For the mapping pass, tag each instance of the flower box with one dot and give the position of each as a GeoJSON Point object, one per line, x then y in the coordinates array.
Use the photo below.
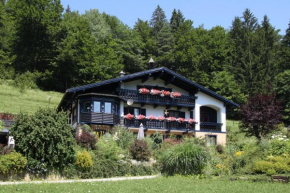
{"type": "Point", "coordinates": [175, 94]}
{"type": "Point", "coordinates": [155, 92]}
{"type": "Point", "coordinates": [164, 93]}
{"type": "Point", "coordinates": [180, 120]}
{"type": "Point", "coordinates": [151, 118]}
{"type": "Point", "coordinates": [129, 116]}
{"type": "Point", "coordinates": [161, 118]}
{"type": "Point", "coordinates": [143, 91]}
{"type": "Point", "coordinates": [140, 117]}
{"type": "Point", "coordinates": [191, 121]}
{"type": "Point", "coordinates": [171, 119]}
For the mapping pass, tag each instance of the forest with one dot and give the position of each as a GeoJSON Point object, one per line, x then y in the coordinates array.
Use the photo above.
{"type": "Point", "coordinates": [53, 48]}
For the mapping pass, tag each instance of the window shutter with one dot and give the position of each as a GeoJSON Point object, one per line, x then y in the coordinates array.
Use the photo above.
{"type": "Point", "coordinates": [126, 111]}
{"type": "Point", "coordinates": [191, 114]}
{"type": "Point", "coordinates": [182, 114]}
{"type": "Point", "coordinates": [143, 112]}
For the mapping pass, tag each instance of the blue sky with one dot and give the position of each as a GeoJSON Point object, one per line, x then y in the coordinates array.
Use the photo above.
{"type": "Point", "coordinates": [210, 13]}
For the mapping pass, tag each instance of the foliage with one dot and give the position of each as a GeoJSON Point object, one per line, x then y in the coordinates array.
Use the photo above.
{"type": "Point", "coordinates": [39, 168]}
{"type": "Point", "coordinates": [185, 158]}
{"type": "Point", "coordinates": [5, 149]}
{"type": "Point", "coordinates": [157, 139]}
{"type": "Point", "coordinates": [25, 81]}
{"type": "Point", "coordinates": [278, 147]}
{"type": "Point", "coordinates": [139, 150]}
{"type": "Point", "coordinates": [123, 137]}
{"type": "Point", "coordinates": [261, 115]}
{"type": "Point", "coordinates": [44, 136]}
{"type": "Point", "coordinates": [87, 139]}
{"type": "Point", "coordinates": [109, 149]}
{"type": "Point", "coordinates": [12, 163]}
{"type": "Point", "coordinates": [273, 165]}
{"type": "Point", "coordinates": [1, 125]}
{"type": "Point", "coordinates": [84, 161]}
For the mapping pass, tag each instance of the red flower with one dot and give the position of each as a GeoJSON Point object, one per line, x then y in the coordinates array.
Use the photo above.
{"type": "Point", "coordinates": [143, 91]}
{"type": "Point", "coordinates": [151, 117]}
{"type": "Point", "coordinates": [161, 118]}
{"type": "Point", "coordinates": [155, 92]}
{"type": "Point", "coordinates": [141, 117]}
{"type": "Point", "coordinates": [180, 120]}
{"type": "Point", "coordinates": [171, 119]}
{"type": "Point", "coordinates": [129, 116]}
{"type": "Point", "coordinates": [165, 93]}
{"type": "Point", "coordinates": [175, 95]}
{"type": "Point", "coordinates": [191, 121]}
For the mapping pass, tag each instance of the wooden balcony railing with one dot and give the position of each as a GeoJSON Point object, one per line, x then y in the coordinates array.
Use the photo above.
{"type": "Point", "coordinates": [156, 124]}
{"type": "Point", "coordinates": [184, 100]}
{"type": "Point", "coordinates": [211, 127]}
{"type": "Point", "coordinates": [99, 118]}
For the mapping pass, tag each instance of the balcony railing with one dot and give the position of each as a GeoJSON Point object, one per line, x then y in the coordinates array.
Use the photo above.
{"type": "Point", "coordinates": [99, 118]}
{"type": "Point", "coordinates": [184, 100]}
{"type": "Point", "coordinates": [156, 124]}
{"type": "Point", "coordinates": [211, 127]}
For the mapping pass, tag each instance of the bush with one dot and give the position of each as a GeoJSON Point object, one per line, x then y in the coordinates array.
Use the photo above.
{"type": "Point", "coordinates": [12, 163]}
{"type": "Point", "coordinates": [184, 159]}
{"type": "Point", "coordinates": [37, 167]}
{"type": "Point", "coordinates": [139, 150]}
{"type": "Point", "coordinates": [45, 137]}
{"type": "Point", "coordinates": [108, 149]}
{"type": "Point", "coordinates": [279, 147]}
{"type": "Point", "coordinates": [123, 137]}
{"type": "Point", "coordinates": [87, 140]}
{"type": "Point", "coordinates": [25, 81]}
{"type": "Point", "coordinates": [273, 165]}
{"type": "Point", "coordinates": [157, 139]}
{"type": "Point", "coordinates": [4, 149]}
{"type": "Point", "coordinates": [84, 161]}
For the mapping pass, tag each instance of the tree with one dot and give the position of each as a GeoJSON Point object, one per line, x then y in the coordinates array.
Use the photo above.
{"type": "Point", "coordinates": [158, 20]}
{"type": "Point", "coordinates": [45, 137]}
{"type": "Point", "coordinates": [282, 88]}
{"type": "Point", "coordinates": [36, 30]}
{"type": "Point", "coordinates": [284, 53]}
{"type": "Point", "coordinates": [261, 115]}
{"type": "Point", "coordinates": [176, 20]}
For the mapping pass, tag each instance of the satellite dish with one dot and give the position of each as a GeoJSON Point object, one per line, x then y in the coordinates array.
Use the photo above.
{"type": "Point", "coordinates": [130, 102]}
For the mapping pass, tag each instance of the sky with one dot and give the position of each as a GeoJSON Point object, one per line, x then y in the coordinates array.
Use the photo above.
{"type": "Point", "coordinates": [208, 13]}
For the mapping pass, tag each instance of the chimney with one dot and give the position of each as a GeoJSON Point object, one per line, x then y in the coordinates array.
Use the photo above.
{"type": "Point", "coordinates": [151, 63]}
{"type": "Point", "coordinates": [122, 73]}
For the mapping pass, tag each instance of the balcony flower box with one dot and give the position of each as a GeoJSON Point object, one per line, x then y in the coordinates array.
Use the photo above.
{"type": "Point", "coordinates": [170, 119]}
{"type": "Point", "coordinates": [164, 93]}
{"type": "Point", "coordinates": [129, 116]}
{"type": "Point", "coordinates": [180, 120]}
{"type": "Point", "coordinates": [143, 91]}
{"type": "Point", "coordinates": [155, 92]}
{"type": "Point", "coordinates": [151, 118]}
{"type": "Point", "coordinates": [175, 95]}
{"type": "Point", "coordinates": [140, 117]}
{"type": "Point", "coordinates": [191, 121]}
{"type": "Point", "coordinates": [161, 118]}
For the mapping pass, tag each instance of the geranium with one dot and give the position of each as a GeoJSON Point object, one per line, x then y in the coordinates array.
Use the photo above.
{"type": "Point", "coordinates": [171, 119]}
{"type": "Point", "coordinates": [129, 116]}
{"type": "Point", "coordinates": [151, 117]}
{"type": "Point", "coordinates": [180, 120]}
{"type": "Point", "coordinates": [155, 92]}
{"type": "Point", "coordinates": [165, 93]}
{"type": "Point", "coordinates": [141, 117]}
{"type": "Point", "coordinates": [191, 121]}
{"type": "Point", "coordinates": [161, 118]}
{"type": "Point", "coordinates": [175, 95]}
{"type": "Point", "coordinates": [143, 91]}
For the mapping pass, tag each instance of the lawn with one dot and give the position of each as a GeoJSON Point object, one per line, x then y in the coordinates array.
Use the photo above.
{"type": "Point", "coordinates": [13, 101]}
{"type": "Point", "coordinates": [160, 184]}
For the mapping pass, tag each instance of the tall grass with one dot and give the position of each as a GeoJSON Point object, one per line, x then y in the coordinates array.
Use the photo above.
{"type": "Point", "coordinates": [13, 101]}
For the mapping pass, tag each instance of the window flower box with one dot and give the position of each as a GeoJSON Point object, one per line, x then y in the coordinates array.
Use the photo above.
{"type": "Point", "coordinates": [129, 116]}
{"type": "Point", "coordinates": [191, 121]}
{"type": "Point", "coordinates": [175, 94]}
{"type": "Point", "coordinates": [143, 91]}
{"type": "Point", "coordinates": [155, 92]}
{"type": "Point", "coordinates": [161, 118]}
{"type": "Point", "coordinates": [151, 118]}
{"type": "Point", "coordinates": [180, 120]}
{"type": "Point", "coordinates": [140, 117]}
{"type": "Point", "coordinates": [171, 119]}
{"type": "Point", "coordinates": [164, 93]}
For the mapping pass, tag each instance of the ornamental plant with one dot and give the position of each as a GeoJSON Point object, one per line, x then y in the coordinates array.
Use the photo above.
{"type": "Point", "coordinates": [12, 163]}
{"type": "Point", "coordinates": [84, 161]}
{"type": "Point", "coordinates": [155, 92]}
{"type": "Point", "coordinates": [143, 91]}
{"type": "Point", "coordinates": [180, 120]}
{"type": "Point", "coordinates": [129, 116]}
{"type": "Point", "coordinates": [161, 118]}
{"type": "Point", "coordinates": [140, 151]}
{"type": "Point", "coordinates": [171, 119]}
{"type": "Point", "coordinates": [175, 94]}
{"type": "Point", "coordinates": [140, 117]}
{"type": "Point", "coordinates": [164, 93]}
{"type": "Point", "coordinates": [151, 117]}
{"type": "Point", "coordinates": [190, 121]}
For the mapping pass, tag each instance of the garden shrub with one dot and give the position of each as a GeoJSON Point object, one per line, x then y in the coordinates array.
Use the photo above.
{"type": "Point", "coordinates": [109, 149]}
{"type": "Point", "coordinates": [139, 150]}
{"type": "Point", "coordinates": [279, 147]}
{"type": "Point", "coordinates": [185, 158]}
{"type": "Point", "coordinates": [84, 161]}
{"type": "Point", "coordinates": [12, 163]}
{"type": "Point", "coordinates": [25, 81]}
{"type": "Point", "coordinates": [157, 139]}
{"type": "Point", "coordinates": [123, 137]}
{"type": "Point", "coordinates": [87, 140]}
{"type": "Point", "coordinates": [37, 167]}
{"type": "Point", "coordinates": [45, 137]}
{"type": "Point", "coordinates": [273, 165]}
{"type": "Point", "coordinates": [5, 149]}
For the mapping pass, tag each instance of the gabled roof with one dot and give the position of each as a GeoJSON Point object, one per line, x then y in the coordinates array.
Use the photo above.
{"type": "Point", "coordinates": [182, 81]}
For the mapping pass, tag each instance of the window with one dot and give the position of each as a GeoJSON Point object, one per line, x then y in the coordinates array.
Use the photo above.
{"type": "Point", "coordinates": [134, 111]}
{"type": "Point", "coordinates": [211, 140]}
{"type": "Point", "coordinates": [108, 107]}
{"type": "Point", "coordinates": [208, 114]}
{"type": "Point", "coordinates": [97, 106]}
{"type": "Point", "coordinates": [176, 114]}
{"type": "Point", "coordinates": [86, 107]}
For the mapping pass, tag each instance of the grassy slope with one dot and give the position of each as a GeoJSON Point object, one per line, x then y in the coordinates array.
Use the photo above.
{"type": "Point", "coordinates": [160, 184]}
{"type": "Point", "coordinates": [13, 101]}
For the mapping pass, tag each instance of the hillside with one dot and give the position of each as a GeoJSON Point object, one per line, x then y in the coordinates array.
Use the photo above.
{"type": "Point", "coordinates": [13, 101]}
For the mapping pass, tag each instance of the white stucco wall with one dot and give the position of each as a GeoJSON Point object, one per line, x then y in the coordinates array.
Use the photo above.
{"type": "Point", "coordinates": [133, 85]}
{"type": "Point", "coordinates": [206, 100]}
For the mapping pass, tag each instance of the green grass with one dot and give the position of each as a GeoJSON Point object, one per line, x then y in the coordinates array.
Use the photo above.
{"type": "Point", "coordinates": [13, 101]}
{"type": "Point", "coordinates": [160, 184]}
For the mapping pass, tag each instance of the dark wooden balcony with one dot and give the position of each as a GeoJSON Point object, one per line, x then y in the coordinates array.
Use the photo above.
{"type": "Point", "coordinates": [184, 100]}
{"type": "Point", "coordinates": [211, 127]}
{"type": "Point", "coordinates": [99, 118]}
{"type": "Point", "coordinates": [156, 124]}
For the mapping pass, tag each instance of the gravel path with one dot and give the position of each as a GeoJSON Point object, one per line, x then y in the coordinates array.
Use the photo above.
{"type": "Point", "coordinates": [83, 180]}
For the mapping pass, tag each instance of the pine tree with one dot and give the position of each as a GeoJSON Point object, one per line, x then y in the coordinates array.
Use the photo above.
{"type": "Point", "coordinates": [284, 53]}
{"type": "Point", "coordinates": [176, 20]}
{"type": "Point", "coordinates": [158, 20]}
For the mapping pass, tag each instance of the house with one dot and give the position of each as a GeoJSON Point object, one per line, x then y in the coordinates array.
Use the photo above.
{"type": "Point", "coordinates": [159, 98]}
